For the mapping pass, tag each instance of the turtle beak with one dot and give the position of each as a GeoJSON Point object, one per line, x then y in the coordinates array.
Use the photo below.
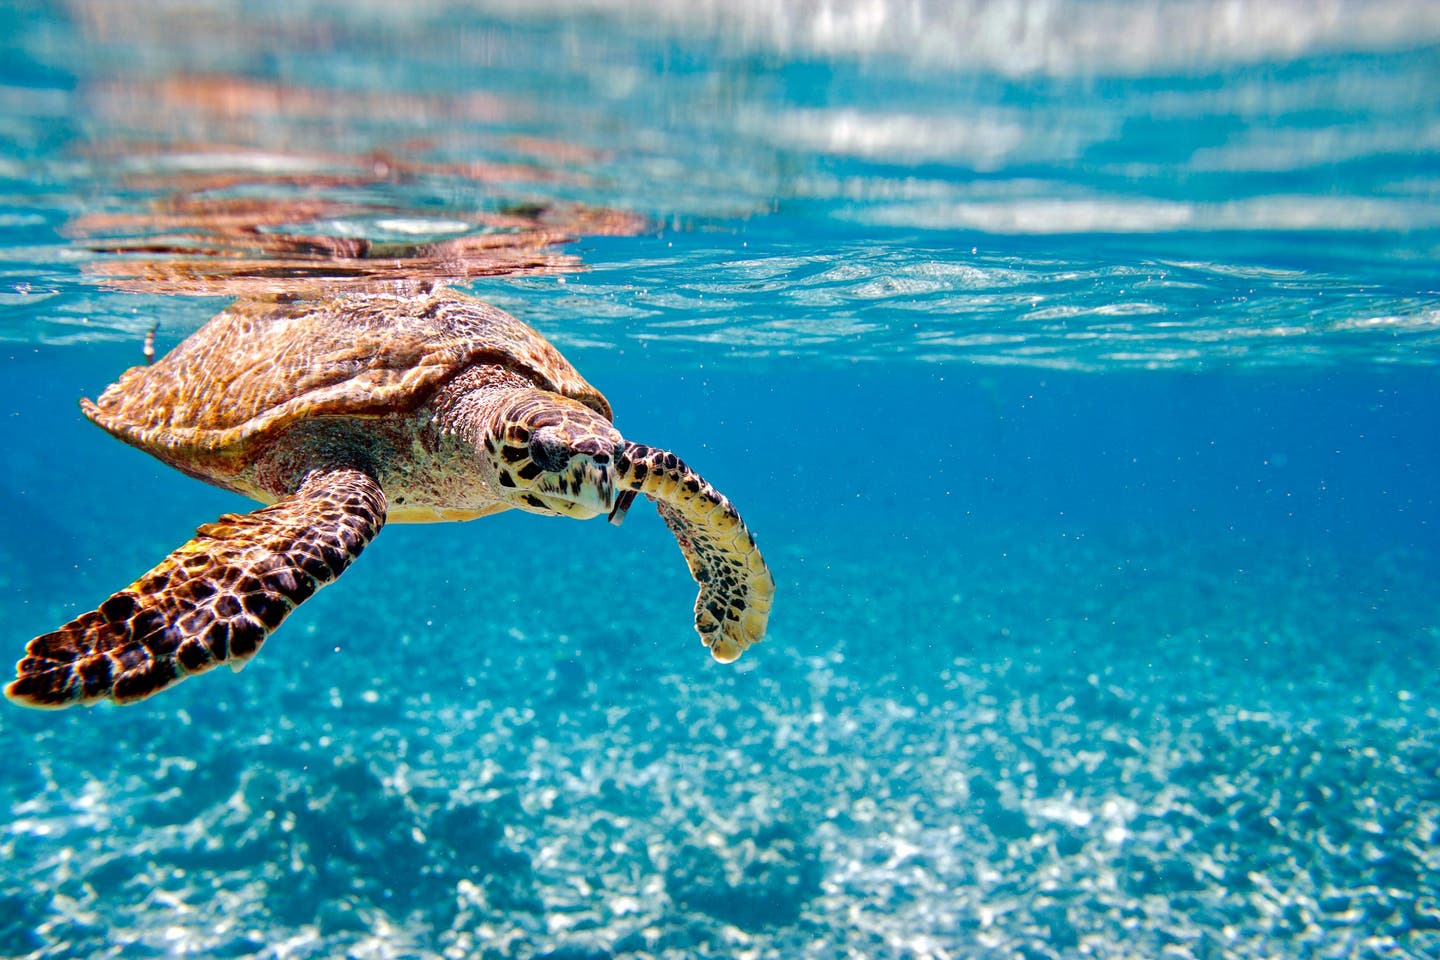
{"type": "Point", "coordinates": [623, 499]}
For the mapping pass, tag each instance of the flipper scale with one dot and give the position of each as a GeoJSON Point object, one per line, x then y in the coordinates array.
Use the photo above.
{"type": "Point", "coordinates": [213, 600]}
{"type": "Point", "coordinates": [736, 587]}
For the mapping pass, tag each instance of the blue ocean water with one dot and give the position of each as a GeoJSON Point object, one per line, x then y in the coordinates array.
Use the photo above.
{"type": "Point", "coordinates": [1074, 365]}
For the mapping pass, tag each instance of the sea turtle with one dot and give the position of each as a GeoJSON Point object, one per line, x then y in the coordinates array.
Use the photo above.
{"type": "Point", "coordinates": [341, 414]}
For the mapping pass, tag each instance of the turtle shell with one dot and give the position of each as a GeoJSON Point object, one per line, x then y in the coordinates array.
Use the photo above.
{"type": "Point", "coordinates": [262, 365]}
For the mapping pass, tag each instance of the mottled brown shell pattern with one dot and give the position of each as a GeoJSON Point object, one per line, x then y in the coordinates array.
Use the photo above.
{"type": "Point", "coordinates": [262, 365]}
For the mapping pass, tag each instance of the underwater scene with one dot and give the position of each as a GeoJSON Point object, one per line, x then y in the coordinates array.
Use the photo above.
{"type": "Point", "coordinates": [1074, 365]}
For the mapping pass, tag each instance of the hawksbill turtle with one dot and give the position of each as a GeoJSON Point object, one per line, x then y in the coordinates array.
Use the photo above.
{"type": "Point", "coordinates": [339, 415]}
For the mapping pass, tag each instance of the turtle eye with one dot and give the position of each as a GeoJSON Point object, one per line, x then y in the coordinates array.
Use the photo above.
{"type": "Point", "coordinates": [548, 452]}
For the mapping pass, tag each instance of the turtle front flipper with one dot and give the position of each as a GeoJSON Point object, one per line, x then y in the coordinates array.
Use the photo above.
{"type": "Point", "coordinates": [212, 601]}
{"type": "Point", "coordinates": [736, 588]}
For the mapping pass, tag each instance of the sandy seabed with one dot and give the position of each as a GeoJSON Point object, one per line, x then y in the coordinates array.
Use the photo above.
{"type": "Point", "coordinates": [1099, 748]}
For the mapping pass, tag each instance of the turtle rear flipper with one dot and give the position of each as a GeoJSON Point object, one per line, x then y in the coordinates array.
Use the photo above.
{"type": "Point", "coordinates": [736, 587]}
{"type": "Point", "coordinates": [212, 601]}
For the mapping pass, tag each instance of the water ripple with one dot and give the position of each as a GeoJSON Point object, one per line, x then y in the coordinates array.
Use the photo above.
{"type": "Point", "coordinates": [985, 181]}
{"type": "Point", "coordinates": [879, 302]}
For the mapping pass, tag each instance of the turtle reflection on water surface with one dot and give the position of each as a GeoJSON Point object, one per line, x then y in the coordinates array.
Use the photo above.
{"type": "Point", "coordinates": [341, 414]}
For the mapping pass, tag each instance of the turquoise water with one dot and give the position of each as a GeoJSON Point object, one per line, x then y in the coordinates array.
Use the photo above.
{"type": "Point", "coordinates": [1074, 365]}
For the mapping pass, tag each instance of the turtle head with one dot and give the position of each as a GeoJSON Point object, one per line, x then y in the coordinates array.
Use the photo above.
{"type": "Point", "coordinates": [552, 455]}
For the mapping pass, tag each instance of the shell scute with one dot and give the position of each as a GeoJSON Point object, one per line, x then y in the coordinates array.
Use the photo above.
{"type": "Point", "coordinates": [262, 365]}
